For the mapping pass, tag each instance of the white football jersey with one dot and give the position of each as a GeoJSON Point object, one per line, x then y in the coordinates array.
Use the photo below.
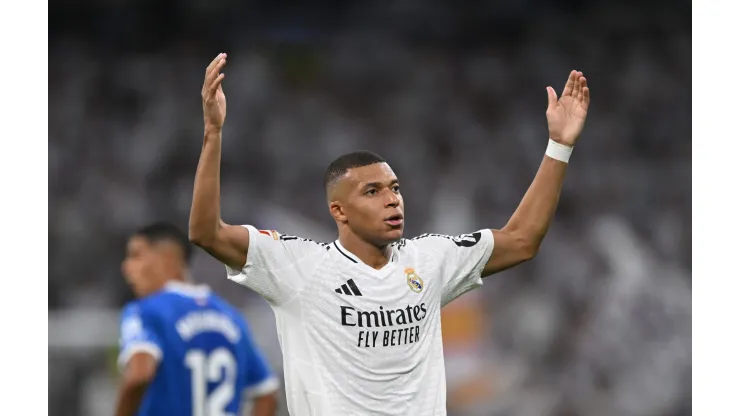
{"type": "Point", "coordinates": [356, 340]}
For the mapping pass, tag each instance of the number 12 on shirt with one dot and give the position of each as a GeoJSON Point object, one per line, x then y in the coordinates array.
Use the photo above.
{"type": "Point", "coordinates": [205, 368]}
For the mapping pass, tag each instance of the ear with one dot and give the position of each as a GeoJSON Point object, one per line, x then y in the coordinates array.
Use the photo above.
{"type": "Point", "coordinates": [337, 211]}
{"type": "Point", "coordinates": [171, 252]}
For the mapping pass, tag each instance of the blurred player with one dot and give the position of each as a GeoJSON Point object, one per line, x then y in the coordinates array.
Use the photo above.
{"type": "Point", "coordinates": [359, 318]}
{"type": "Point", "coordinates": [184, 350]}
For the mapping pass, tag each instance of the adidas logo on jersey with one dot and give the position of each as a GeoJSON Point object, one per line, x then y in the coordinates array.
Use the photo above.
{"type": "Point", "coordinates": [349, 288]}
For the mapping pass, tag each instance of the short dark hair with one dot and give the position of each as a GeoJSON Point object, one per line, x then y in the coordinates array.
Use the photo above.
{"type": "Point", "coordinates": [165, 231]}
{"type": "Point", "coordinates": [342, 164]}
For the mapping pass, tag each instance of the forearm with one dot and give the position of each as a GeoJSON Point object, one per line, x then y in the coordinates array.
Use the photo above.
{"type": "Point", "coordinates": [129, 399]}
{"type": "Point", "coordinates": [532, 218]}
{"type": "Point", "coordinates": [205, 212]}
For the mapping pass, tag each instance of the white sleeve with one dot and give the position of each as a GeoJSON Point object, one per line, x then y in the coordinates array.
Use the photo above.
{"type": "Point", "coordinates": [138, 335]}
{"type": "Point", "coordinates": [278, 266]}
{"type": "Point", "coordinates": [462, 260]}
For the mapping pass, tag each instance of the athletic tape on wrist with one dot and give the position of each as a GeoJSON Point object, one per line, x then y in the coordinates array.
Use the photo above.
{"type": "Point", "coordinates": [558, 151]}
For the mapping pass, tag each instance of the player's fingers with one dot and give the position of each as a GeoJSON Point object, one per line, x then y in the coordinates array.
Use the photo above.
{"type": "Point", "coordinates": [552, 99]}
{"type": "Point", "coordinates": [577, 85]}
{"type": "Point", "coordinates": [214, 62]}
{"type": "Point", "coordinates": [568, 90]}
{"type": "Point", "coordinates": [213, 71]}
{"type": "Point", "coordinates": [216, 85]}
{"type": "Point", "coordinates": [213, 74]}
{"type": "Point", "coordinates": [208, 81]}
{"type": "Point", "coordinates": [586, 98]}
{"type": "Point", "coordinates": [210, 85]}
{"type": "Point", "coordinates": [578, 93]}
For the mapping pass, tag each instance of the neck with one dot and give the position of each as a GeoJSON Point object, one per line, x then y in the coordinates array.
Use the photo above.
{"type": "Point", "coordinates": [370, 254]}
{"type": "Point", "coordinates": [178, 275]}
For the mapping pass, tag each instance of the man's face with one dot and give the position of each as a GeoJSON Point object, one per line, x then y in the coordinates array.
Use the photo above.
{"type": "Point", "coordinates": [142, 266]}
{"type": "Point", "coordinates": [371, 203]}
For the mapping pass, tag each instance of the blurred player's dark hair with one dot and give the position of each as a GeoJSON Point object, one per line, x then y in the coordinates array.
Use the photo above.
{"type": "Point", "coordinates": [165, 231]}
{"type": "Point", "coordinates": [342, 164]}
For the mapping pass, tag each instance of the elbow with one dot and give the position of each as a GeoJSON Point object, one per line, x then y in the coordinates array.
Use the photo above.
{"type": "Point", "coordinates": [527, 247]}
{"type": "Point", "coordinates": [203, 242]}
{"type": "Point", "coordinates": [200, 237]}
{"type": "Point", "coordinates": [530, 250]}
{"type": "Point", "coordinates": [196, 238]}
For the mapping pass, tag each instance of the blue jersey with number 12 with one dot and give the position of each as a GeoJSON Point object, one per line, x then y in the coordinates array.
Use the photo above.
{"type": "Point", "coordinates": [207, 359]}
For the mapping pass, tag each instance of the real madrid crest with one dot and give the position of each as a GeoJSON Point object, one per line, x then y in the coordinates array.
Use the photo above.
{"type": "Point", "coordinates": [413, 280]}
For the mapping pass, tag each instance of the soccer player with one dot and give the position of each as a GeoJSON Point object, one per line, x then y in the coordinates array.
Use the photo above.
{"type": "Point", "coordinates": [359, 318]}
{"type": "Point", "coordinates": [184, 350]}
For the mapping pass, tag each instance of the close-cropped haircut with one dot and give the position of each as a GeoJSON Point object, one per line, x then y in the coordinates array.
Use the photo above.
{"type": "Point", "coordinates": [164, 231]}
{"type": "Point", "coordinates": [342, 164]}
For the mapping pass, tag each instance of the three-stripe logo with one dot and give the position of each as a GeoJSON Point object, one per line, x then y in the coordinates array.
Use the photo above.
{"type": "Point", "coordinates": [349, 288]}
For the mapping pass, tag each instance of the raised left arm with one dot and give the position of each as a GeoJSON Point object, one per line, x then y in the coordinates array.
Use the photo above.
{"type": "Point", "coordinates": [520, 239]}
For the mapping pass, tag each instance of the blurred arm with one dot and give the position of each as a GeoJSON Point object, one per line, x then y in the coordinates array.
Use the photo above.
{"type": "Point", "coordinates": [265, 405]}
{"type": "Point", "coordinates": [227, 243]}
{"type": "Point", "coordinates": [140, 371]}
{"type": "Point", "coordinates": [520, 239]}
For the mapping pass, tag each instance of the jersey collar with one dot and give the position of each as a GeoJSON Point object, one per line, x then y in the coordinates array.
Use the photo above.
{"type": "Point", "coordinates": [187, 289]}
{"type": "Point", "coordinates": [354, 259]}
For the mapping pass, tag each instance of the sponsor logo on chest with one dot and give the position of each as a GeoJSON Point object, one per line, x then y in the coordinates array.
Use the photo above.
{"type": "Point", "coordinates": [384, 326]}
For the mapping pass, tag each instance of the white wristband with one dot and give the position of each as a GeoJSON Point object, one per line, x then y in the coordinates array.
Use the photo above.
{"type": "Point", "coordinates": [558, 151]}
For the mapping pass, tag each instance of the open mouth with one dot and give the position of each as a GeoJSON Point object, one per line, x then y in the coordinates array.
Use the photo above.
{"type": "Point", "coordinates": [394, 220]}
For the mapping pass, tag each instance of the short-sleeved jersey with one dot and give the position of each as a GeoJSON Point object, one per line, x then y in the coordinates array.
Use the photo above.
{"type": "Point", "coordinates": [207, 361]}
{"type": "Point", "coordinates": [357, 340]}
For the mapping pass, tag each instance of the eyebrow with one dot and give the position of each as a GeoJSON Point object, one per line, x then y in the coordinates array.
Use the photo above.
{"type": "Point", "coordinates": [379, 184]}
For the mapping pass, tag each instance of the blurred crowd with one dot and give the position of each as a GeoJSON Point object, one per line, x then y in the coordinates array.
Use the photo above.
{"type": "Point", "coordinates": [454, 98]}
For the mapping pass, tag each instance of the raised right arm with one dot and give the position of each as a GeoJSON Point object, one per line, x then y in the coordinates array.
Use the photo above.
{"type": "Point", "coordinates": [227, 243]}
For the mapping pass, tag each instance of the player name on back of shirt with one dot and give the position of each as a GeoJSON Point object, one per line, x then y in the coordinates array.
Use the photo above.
{"type": "Point", "coordinates": [197, 322]}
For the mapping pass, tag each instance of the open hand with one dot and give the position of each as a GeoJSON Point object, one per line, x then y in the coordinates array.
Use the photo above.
{"type": "Point", "coordinates": [566, 116]}
{"type": "Point", "coordinates": [214, 100]}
